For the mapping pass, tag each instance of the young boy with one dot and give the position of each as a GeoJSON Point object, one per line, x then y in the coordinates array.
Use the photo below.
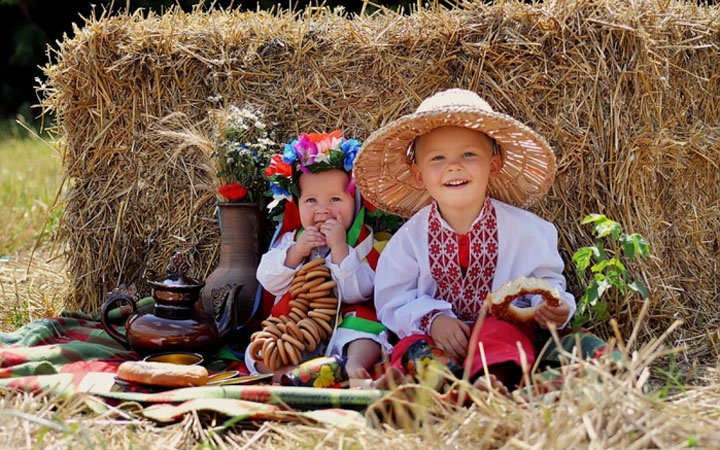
{"type": "Point", "coordinates": [326, 222]}
{"type": "Point", "coordinates": [448, 166]}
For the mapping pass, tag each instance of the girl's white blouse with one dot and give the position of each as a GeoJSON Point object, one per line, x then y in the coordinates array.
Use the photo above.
{"type": "Point", "coordinates": [354, 278]}
{"type": "Point", "coordinates": [405, 287]}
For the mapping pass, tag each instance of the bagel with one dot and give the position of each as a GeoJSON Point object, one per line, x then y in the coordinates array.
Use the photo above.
{"type": "Point", "coordinates": [295, 317]}
{"type": "Point", "coordinates": [266, 347]}
{"type": "Point", "coordinates": [295, 292]}
{"type": "Point", "coordinates": [293, 353]}
{"type": "Point", "coordinates": [320, 317]}
{"type": "Point", "coordinates": [314, 330]}
{"type": "Point", "coordinates": [327, 311]}
{"type": "Point", "coordinates": [312, 264]}
{"type": "Point", "coordinates": [273, 358]}
{"type": "Point", "coordinates": [323, 287]}
{"type": "Point", "coordinates": [308, 339]}
{"type": "Point", "coordinates": [325, 326]}
{"type": "Point", "coordinates": [326, 302]}
{"type": "Point", "coordinates": [501, 306]}
{"type": "Point", "coordinates": [274, 330]}
{"type": "Point", "coordinates": [280, 344]}
{"type": "Point", "coordinates": [294, 304]}
{"type": "Point", "coordinates": [309, 285]}
{"type": "Point", "coordinates": [255, 347]}
{"type": "Point", "coordinates": [260, 335]}
{"type": "Point", "coordinates": [267, 354]}
{"type": "Point", "coordinates": [294, 331]}
{"type": "Point", "coordinates": [317, 273]}
{"type": "Point", "coordinates": [290, 339]}
{"type": "Point", "coordinates": [318, 294]}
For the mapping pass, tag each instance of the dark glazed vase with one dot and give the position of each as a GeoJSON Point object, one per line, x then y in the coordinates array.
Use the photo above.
{"type": "Point", "coordinates": [229, 291]}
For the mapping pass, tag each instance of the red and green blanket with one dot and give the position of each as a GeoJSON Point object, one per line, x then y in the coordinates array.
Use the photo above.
{"type": "Point", "coordinates": [76, 343]}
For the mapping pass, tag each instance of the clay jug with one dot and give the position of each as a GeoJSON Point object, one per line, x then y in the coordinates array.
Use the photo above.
{"type": "Point", "coordinates": [229, 292]}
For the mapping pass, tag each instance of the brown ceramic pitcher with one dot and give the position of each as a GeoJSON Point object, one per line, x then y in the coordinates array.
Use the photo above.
{"type": "Point", "coordinates": [174, 324]}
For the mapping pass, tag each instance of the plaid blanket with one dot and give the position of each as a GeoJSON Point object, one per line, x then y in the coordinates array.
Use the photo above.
{"type": "Point", "coordinates": [54, 355]}
{"type": "Point", "coordinates": [76, 343]}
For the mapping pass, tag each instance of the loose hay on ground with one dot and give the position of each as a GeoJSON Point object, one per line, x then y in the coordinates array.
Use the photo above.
{"type": "Point", "coordinates": [601, 410]}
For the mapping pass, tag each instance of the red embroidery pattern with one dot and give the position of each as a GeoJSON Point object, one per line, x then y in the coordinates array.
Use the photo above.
{"type": "Point", "coordinates": [426, 321]}
{"type": "Point", "coordinates": [465, 294]}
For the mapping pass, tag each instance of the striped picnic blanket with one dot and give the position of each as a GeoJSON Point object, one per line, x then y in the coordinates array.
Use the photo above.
{"type": "Point", "coordinates": [76, 343]}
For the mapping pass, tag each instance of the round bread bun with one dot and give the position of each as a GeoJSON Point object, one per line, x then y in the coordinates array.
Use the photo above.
{"type": "Point", "coordinates": [162, 374]}
{"type": "Point", "coordinates": [500, 302]}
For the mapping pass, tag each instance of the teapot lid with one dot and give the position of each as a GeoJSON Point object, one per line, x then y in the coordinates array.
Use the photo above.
{"type": "Point", "coordinates": [176, 277]}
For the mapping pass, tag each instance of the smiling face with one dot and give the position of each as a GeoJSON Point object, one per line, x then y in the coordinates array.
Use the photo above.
{"type": "Point", "coordinates": [323, 196]}
{"type": "Point", "coordinates": [455, 165]}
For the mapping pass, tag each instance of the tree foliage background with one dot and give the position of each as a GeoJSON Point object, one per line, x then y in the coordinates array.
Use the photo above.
{"type": "Point", "coordinates": [28, 26]}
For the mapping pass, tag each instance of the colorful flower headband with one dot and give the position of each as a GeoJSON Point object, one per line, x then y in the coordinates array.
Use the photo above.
{"type": "Point", "coordinates": [310, 153]}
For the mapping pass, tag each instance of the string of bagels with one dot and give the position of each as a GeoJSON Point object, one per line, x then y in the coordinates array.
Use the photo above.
{"type": "Point", "coordinates": [310, 322]}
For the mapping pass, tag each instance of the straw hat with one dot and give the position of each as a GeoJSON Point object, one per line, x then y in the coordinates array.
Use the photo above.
{"type": "Point", "coordinates": [382, 167]}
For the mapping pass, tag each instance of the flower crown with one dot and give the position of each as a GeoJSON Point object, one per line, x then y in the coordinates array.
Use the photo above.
{"type": "Point", "coordinates": [309, 153]}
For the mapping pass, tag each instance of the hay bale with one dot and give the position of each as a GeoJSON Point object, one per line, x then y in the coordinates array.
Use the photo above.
{"type": "Point", "coordinates": [626, 92]}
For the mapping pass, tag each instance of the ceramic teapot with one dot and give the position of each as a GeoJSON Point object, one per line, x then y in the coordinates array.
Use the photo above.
{"type": "Point", "coordinates": [174, 324]}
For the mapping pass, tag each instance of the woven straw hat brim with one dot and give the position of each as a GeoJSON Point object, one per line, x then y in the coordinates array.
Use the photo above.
{"type": "Point", "coordinates": [384, 177]}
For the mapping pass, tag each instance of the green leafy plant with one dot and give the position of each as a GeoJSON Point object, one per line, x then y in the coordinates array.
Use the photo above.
{"type": "Point", "coordinates": [606, 267]}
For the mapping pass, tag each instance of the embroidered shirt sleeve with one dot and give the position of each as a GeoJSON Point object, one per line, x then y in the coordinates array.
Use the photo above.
{"type": "Point", "coordinates": [426, 321]}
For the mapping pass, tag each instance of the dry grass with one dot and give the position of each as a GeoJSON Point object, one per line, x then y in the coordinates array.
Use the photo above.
{"type": "Point", "coordinates": [600, 410]}
{"type": "Point", "coordinates": [32, 286]}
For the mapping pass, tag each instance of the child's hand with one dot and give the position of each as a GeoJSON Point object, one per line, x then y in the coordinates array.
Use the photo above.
{"type": "Point", "coordinates": [545, 314]}
{"type": "Point", "coordinates": [334, 232]}
{"type": "Point", "coordinates": [451, 336]}
{"type": "Point", "coordinates": [308, 240]}
{"type": "Point", "coordinates": [335, 236]}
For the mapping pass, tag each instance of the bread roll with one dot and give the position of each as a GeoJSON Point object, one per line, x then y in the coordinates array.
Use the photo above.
{"type": "Point", "coordinates": [162, 374]}
{"type": "Point", "coordinates": [500, 302]}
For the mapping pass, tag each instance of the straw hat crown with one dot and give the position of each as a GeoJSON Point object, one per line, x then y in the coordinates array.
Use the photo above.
{"type": "Point", "coordinates": [454, 97]}
{"type": "Point", "coordinates": [383, 171]}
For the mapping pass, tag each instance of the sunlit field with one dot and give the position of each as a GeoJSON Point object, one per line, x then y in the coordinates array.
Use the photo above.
{"type": "Point", "coordinates": [30, 175]}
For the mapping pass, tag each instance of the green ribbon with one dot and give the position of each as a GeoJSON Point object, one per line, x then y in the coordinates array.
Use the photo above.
{"type": "Point", "coordinates": [360, 324]}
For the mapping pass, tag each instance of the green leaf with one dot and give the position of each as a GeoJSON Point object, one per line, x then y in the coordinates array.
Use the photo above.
{"type": "Point", "coordinates": [600, 266]}
{"type": "Point", "coordinates": [608, 227]}
{"type": "Point", "coordinates": [579, 320]}
{"type": "Point", "coordinates": [618, 266]}
{"type": "Point", "coordinates": [592, 218]}
{"type": "Point", "coordinates": [628, 246]}
{"type": "Point", "coordinates": [581, 259]}
{"type": "Point", "coordinates": [603, 286]}
{"type": "Point", "coordinates": [591, 292]}
{"type": "Point", "coordinates": [641, 246]}
{"type": "Point", "coordinates": [600, 310]}
{"type": "Point", "coordinates": [639, 287]}
{"type": "Point", "coordinates": [615, 280]}
{"type": "Point", "coordinates": [598, 252]}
